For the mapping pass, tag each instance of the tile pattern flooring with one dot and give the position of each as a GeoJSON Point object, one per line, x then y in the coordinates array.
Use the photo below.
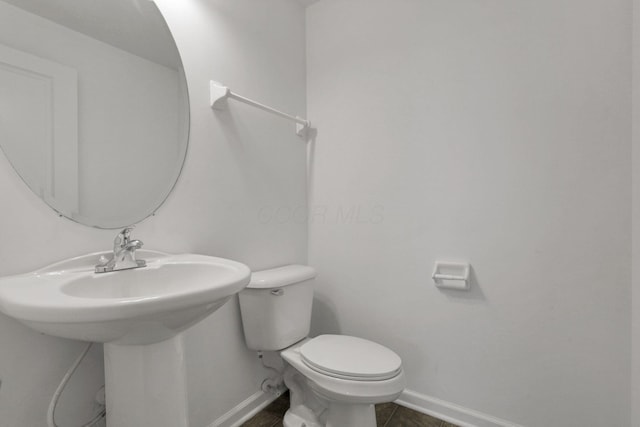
{"type": "Point", "coordinates": [387, 414]}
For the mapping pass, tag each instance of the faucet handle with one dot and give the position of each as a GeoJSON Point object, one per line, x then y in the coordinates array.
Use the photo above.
{"type": "Point", "coordinates": [126, 232]}
{"type": "Point", "coordinates": [123, 237]}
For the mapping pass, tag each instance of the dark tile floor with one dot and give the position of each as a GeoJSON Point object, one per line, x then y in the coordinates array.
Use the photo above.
{"type": "Point", "coordinates": [387, 414]}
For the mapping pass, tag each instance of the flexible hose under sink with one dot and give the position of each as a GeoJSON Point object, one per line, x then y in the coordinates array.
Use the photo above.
{"type": "Point", "coordinates": [51, 412]}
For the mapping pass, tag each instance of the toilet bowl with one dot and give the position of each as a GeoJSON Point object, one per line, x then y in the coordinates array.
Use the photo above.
{"type": "Point", "coordinates": [334, 380]}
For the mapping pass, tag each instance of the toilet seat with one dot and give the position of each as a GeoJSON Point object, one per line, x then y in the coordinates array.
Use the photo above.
{"type": "Point", "coordinates": [342, 390]}
{"type": "Point", "coordinates": [350, 358]}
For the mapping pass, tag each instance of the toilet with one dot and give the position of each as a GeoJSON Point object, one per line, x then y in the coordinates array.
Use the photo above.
{"type": "Point", "coordinates": [334, 380]}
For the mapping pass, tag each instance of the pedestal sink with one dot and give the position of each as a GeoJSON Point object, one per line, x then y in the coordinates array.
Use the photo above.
{"type": "Point", "coordinates": [138, 314]}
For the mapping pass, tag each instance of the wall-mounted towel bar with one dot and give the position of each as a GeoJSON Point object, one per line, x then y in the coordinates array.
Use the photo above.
{"type": "Point", "coordinates": [220, 93]}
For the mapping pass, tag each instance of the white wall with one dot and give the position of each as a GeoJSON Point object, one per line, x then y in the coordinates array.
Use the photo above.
{"type": "Point", "coordinates": [635, 328]}
{"type": "Point", "coordinates": [120, 97]}
{"type": "Point", "coordinates": [492, 131]}
{"type": "Point", "coordinates": [237, 163]}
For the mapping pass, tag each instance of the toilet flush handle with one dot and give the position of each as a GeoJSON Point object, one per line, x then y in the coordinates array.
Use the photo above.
{"type": "Point", "coordinates": [277, 292]}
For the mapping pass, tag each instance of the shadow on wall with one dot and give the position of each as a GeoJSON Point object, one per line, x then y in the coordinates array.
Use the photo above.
{"type": "Point", "coordinates": [237, 135]}
{"type": "Point", "coordinates": [473, 296]}
{"type": "Point", "coordinates": [324, 313]}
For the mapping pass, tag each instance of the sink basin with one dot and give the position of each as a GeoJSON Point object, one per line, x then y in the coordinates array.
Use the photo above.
{"type": "Point", "coordinates": [139, 306]}
{"type": "Point", "coordinates": [138, 314]}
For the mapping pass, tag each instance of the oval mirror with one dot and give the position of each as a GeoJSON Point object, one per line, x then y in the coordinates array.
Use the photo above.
{"type": "Point", "coordinates": [94, 111]}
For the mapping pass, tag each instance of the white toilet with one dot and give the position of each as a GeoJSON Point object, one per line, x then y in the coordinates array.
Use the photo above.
{"type": "Point", "coordinates": [334, 380]}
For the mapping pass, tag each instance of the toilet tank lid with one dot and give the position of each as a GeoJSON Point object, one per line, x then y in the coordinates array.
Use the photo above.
{"type": "Point", "coordinates": [281, 276]}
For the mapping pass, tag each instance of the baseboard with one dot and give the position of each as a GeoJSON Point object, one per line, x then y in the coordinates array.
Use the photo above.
{"type": "Point", "coordinates": [438, 408]}
{"type": "Point", "coordinates": [245, 410]}
{"type": "Point", "coordinates": [450, 412]}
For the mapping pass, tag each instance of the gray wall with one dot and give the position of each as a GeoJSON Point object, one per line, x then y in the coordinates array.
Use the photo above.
{"type": "Point", "coordinates": [496, 132]}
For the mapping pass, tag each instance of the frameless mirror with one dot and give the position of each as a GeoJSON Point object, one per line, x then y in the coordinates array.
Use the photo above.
{"type": "Point", "coordinates": [94, 112]}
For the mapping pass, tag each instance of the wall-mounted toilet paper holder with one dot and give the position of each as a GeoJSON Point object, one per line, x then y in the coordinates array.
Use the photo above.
{"type": "Point", "coordinates": [452, 275]}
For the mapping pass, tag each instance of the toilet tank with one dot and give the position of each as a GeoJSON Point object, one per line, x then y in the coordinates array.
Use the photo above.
{"type": "Point", "coordinates": [276, 307]}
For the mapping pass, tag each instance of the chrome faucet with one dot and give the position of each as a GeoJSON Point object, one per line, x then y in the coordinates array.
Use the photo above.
{"type": "Point", "coordinates": [124, 254]}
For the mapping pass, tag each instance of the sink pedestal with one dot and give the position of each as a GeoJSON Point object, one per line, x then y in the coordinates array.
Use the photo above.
{"type": "Point", "coordinates": [145, 384]}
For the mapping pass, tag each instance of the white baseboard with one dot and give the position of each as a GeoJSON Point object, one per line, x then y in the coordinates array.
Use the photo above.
{"type": "Point", "coordinates": [245, 410]}
{"type": "Point", "coordinates": [450, 412]}
{"type": "Point", "coordinates": [441, 409]}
